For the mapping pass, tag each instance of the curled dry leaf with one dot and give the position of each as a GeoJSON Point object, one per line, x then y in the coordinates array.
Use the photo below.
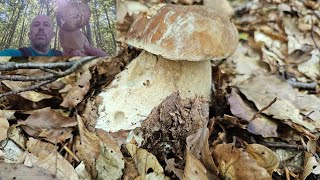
{"type": "Point", "coordinates": [58, 165]}
{"type": "Point", "coordinates": [11, 151]}
{"type": "Point", "coordinates": [262, 93]}
{"type": "Point", "coordinates": [78, 91]}
{"type": "Point", "coordinates": [130, 172]}
{"type": "Point", "coordinates": [29, 95]}
{"type": "Point", "coordinates": [311, 166]}
{"type": "Point", "coordinates": [194, 169]}
{"type": "Point", "coordinates": [264, 156]}
{"type": "Point", "coordinates": [39, 148]}
{"type": "Point", "coordinates": [234, 163]}
{"type": "Point", "coordinates": [82, 172]}
{"type": "Point", "coordinates": [198, 146]}
{"type": "Point", "coordinates": [17, 135]}
{"type": "Point", "coordinates": [4, 126]}
{"type": "Point", "coordinates": [87, 147]}
{"type": "Point", "coordinates": [260, 125]}
{"type": "Point", "coordinates": [49, 124]}
{"type": "Point", "coordinates": [20, 171]}
{"type": "Point", "coordinates": [145, 162]}
{"type": "Point", "coordinates": [110, 162]}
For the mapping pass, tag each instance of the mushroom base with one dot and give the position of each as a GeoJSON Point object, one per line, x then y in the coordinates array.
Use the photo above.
{"type": "Point", "coordinates": [145, 83]}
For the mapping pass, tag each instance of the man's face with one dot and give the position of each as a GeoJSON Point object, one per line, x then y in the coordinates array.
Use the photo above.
{"type": "Point", "coordinates": [41, 31]}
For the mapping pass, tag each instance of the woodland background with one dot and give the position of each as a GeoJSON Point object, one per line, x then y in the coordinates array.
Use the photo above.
{"type": "Point", "coordinates": [16, 16]}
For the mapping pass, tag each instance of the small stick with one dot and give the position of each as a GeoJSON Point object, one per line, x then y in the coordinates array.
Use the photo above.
{"type": "Point", "coordinates": [70, 152]}
{"type": "Point", "coordinates": [312, 35]}
{"type": "Point", "coordinates": [263, 109]}
{"type": "Point", "coordinates": [31, 88]}
{"type": "Point", "coordinates": [304, 85]}
{"type": "Point", "coordinates": [282, 145]}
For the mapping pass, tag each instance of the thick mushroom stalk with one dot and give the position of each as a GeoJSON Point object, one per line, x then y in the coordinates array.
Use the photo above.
{"type": "Point", "coordinates": [71, 17]}
{"type": "Point", "coordinates": [179, 42]}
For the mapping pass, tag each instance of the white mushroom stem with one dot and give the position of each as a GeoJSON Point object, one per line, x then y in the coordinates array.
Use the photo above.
{"type": "Point", "coordinates": [146, 82]}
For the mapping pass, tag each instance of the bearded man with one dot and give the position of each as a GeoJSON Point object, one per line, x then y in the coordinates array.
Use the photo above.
{"type": "Point", "coordinates": [40, 35]}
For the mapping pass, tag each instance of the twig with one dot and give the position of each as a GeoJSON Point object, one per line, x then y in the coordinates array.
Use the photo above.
{"type": "Point", "coordinates": [75, 65]}
{"type": "Point", "coordinates": [312, 34]}
{"type": "Point", "coordinates": [8, 66]}
{"type": "Point", "coordinates": [263, 109]}
{"type": "Point", "coordinates": [36, 86]}
{"type": "Point", "coordinates": [303, 85]}
{"type": "Point", "coordinates": [50, 71]}
{"type": "Point", "coordinates": [282, 145]}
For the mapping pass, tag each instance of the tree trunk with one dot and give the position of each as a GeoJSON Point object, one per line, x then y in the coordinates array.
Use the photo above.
{"type": "Point", "coordinates": [110, 28]}
{"type": "Point", "coordinates": [23, 28]}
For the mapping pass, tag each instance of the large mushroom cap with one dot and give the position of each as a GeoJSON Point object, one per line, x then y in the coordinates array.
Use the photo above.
{"type": "Point", "coordinates": [72, 16]}
{"type": "Point", "coordinates": [193, 33]}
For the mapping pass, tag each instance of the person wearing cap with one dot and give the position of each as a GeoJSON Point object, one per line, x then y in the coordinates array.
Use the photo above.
{"type": "Point", "coordinates": [40, 35]}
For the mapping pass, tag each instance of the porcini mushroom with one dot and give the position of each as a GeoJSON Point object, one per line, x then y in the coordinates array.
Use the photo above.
{"type": "Point", "coordinates": [71, 17]}
{"type": "Point", "coordinates": [179, 42]}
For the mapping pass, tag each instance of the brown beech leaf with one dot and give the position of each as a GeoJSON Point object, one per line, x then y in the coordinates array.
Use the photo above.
{"type": "Point", "coordinates": [48, 124]}
{"type": "Point", "coordinates": [39, 148]}
{"type": "Point", "coordinates": [264, 156]}
{"type": "Point", "coordinates": [194, 169]}
{"type": "Point", "coordinates": [87, 147]}
{"type": "Point", "coordinates": [261, 125]}
{"type": "Point", "coordinates": [29, 95]}
{"type": "Point", "coordinates": [4, 126]}
{"type": "Point", "coordinates": [110, 162]}
{"type": "Point", "coordinates": [234, 163]}
{"type": "Point", "coordinates": [78, 91]}
{"type": "Point", "coordinates": [130, 172]}
{"type": "Point", "coordinates": [58, 165]}
{"type": "Point", "coordinates": [20, 171]}
{"type": "Point", "coordinates": [146, 162]}
{"type": "Point", "coordinates": [284, 108]}
{"type": "Point", "coordinates": [311, 166]}
{"type": "Point", "coordinates": [199, 148]}
{"type": "Point", "coordinates": [48, 118]}
{"type": "Point", "coordinates": [17, 135]}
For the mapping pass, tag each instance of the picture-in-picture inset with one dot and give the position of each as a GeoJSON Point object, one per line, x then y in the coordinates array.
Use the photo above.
{"type": "Point", "coordinates": [57, 28]}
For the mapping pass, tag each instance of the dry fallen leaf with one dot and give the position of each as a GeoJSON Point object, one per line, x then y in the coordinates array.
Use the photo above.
{"type": "Point", "coordinates": [12, 152]}
{"type": "Point", "coordinates": [17, 135]}
{"type": "Point", "coordinates": [4, 126]}
{"type": "Point", "coordinates": [261, 125]}
{"type": "Point", "coordinates": [39, 148]}
{"type": "Point", "coordinates": [130, 172]}
{"type": "Point", "coordinates": [146, 163]}
{"type": "Point", "coordinates": [234, 163]}
{"type": "Point", "coordinates": [87, 147]}
{"type": "Point", "coordinates": [49, 124]}
{"type": "Point", "coordinates": [110, 162]}
{"type": "Point", "coordinates": [311, 166]}
{"type": "Point", "coordinates": [262, 93]}
{"type": "Point", "coordinates": [78, 91]}
{"type": "Point", "coordinates": [20, 171]}
{"type": "Point", "coordinates": [194, 169]}
{"type": "Point", "coordinates": [264, 156]}
{"type": "Point", "coordinates": [58, 165]}
{"type": "Point", "coordinates": [82, 172]}
{"type": "Point", "coordinates": [29, 95]}
{"type": "Point", "coordinates": [198, 146]}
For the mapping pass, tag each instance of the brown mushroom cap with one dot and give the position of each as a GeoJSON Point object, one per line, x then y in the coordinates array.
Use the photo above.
{"type": "Point", "coordinates": [193, 33]}
{"type": "Point", "coordinates": [72, 16]}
